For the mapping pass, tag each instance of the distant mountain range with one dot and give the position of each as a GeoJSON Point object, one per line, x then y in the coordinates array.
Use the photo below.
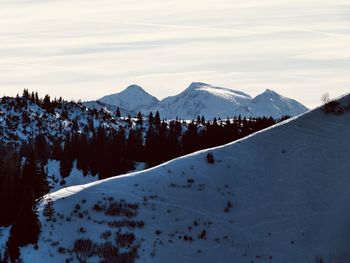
{"type": "Point", "coordinates": [207, 100]}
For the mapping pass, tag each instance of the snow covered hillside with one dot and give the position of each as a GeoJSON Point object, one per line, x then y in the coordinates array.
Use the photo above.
{"type": "Point", "coordinates": [201, 99]}
{"type": "Point", "coordinates": [280, 195]}
{"type": "Point", "coordinates": [22, 119]}
{"type": "Point", "coordinates": [133, 98]}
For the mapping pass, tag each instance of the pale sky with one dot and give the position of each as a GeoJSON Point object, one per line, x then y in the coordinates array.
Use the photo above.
{"type": "Point", "coordinates": [90, 48]}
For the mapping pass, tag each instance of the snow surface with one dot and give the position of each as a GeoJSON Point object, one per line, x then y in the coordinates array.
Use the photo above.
{"type": "Point", "coordinates": [280, 195]}
{"type": "Point", "coordinates": [76, 177]}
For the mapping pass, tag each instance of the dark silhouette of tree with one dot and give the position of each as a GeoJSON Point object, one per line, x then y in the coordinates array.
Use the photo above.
{"type": "Point", "coordinates": [139, 118]}
{"type": "Point", "coordinates": [26, 228]}
{"type": "Point", "coordinates": [49, 210]}
{"type": "Point", "coordinates": [150, 119]}
{"type": "Point", "coordinates": [117, 113]}
{"type": "Point", "coordinates": [157, 119]}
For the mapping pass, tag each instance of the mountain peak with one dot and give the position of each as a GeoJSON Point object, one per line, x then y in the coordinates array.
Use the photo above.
{"type": "Point", "coordinates": [195, 85]}
{"type": "Point", "coordinates": [271, 92]}
{"type": "Point", "coordinates": [270, 103]}
{"type": "Point", "coordinates": [135, 87]}
{"type": "Point", "coordinates": [133, 98]}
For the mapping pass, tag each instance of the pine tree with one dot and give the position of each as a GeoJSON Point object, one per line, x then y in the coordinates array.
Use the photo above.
{"type": "Point", "coordinates": [198, 119]}
{"type": "Point", "coordinates": [150, 119]}
{"type": "Point", "coordinates": [26, 228]}
{"type": "Point", "coordinates": [139, 118]}
{"type": "Point", "coordinates": [41, 148]}
{"type": "Point", "coordinates": [117, 114]}
{"type": "Point", "coordinates": [37, 100]}
{"type": "Point", "coordinates": [56, 153]}
{"type": "Point", "coordinates": [25, 94]}
{"type": "Point", "coordinates": [157, 119]}
{"type": "Point", "coordinates": [66, 163]}
{"type": "Point", "coordinates": [49, 210]}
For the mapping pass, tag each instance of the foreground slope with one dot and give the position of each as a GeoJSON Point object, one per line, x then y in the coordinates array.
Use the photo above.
{"type": "Point", "coordinates": [281, 195]}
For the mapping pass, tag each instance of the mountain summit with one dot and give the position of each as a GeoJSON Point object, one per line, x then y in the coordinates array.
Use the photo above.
{"type": "Point", "coordinates": [133, 98]}
{"type": "Point", "coordinates": [270, 103]}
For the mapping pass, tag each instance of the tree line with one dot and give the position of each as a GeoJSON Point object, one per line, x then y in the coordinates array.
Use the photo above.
{"type": "Point", "coordinates": [109, 152]}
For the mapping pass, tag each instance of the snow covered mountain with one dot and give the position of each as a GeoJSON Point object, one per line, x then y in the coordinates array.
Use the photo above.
{"type": "Point", "coordinates": [133, 98]}
{"type": "Point", "coordinates": [270, 103]}
{"type": "Point", "coordinates": [209, 101]}
{"type": "Point", "coordinates": [280, 195]}
{"type": "Point", "coordinates": [203, 99]}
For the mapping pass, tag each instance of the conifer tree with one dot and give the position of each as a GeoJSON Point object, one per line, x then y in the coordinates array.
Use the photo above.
{"type": "Point", "coordinates": [139, 118]}
{"type": "Point", "coordinates": [150, 119]}
{"type": "Point", "coordinates": [157, 119]}
{"type": "Point", "coordinates": [49, 210]}
{"type": "Point", "coordinates": [26, 228]}
{"type": "Point", "coordinates": [117, 114]}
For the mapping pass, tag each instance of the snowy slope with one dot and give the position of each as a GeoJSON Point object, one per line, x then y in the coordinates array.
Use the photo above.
{"type": "Point", "coordinates": [133, 98]}
{"type": "Point", "coordinates": [280, 195]}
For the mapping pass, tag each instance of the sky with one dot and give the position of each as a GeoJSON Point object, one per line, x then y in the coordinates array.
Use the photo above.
{"type": "Point", "coordinates": [85, 49]}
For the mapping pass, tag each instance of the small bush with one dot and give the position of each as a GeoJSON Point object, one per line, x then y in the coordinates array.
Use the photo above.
{"type": "Point", "coordinates": [98, 208]}
{"type": "Point", "coordinates": [84, 247]}
{"type": "Point", "coordinates": [126, 223]}
{"type": "Point", "coordinates": [62, 250]}
{"type": "Point", "coordinates": [210, 158]}
{"type": "Point", "coordinates": [121, 209]}
{"type": "Point", "coordinates": [333, 107]}
{"type": "Point", "coordinates": [125, 240]}
{"type": "Point", "coordinates": [82, 230]}
{"type": "Point", "coordinates": [203, 234]}
{"type": "Point", "coordinates": [106, 235]}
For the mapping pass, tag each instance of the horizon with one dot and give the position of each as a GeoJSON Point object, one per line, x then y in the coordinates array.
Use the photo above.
{"type": "Point", "coordinates": [86, 50]}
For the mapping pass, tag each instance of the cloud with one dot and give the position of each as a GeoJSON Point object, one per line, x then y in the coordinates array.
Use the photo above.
{"type": "Point", "coordinates": [95, 47]}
